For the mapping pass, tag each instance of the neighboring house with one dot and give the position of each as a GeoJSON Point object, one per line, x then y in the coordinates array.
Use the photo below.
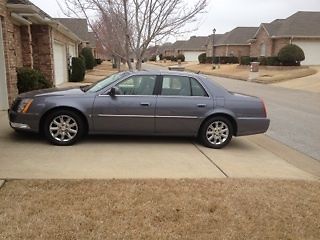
{"type": "Point", "coordinates": [192, 48]}
{"type": "Point", "coordinates": [78, 26]}
{"type": "Point", "coordinates": [233, 43]}
{"type": "Point", "coordinates": [31, 38]}
{"type": "Point", "coordinates": [210, 40]}
{"type": "Point", "coordinates": [302, 29]}
{"type": "Point", "coordinates": [93, 44]}
{"type": "Point", "coordinates": [173, 49]}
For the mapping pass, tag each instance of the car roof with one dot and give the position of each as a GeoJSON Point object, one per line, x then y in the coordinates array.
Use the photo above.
{"type": "Point", "coordinates": [163, 72]}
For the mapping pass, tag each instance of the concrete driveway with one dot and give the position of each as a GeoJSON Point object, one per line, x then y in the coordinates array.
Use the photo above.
{"type": "Point", "coordinates": [31, 157]}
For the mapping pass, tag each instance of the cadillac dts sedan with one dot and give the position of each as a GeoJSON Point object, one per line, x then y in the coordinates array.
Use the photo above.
{"type": "Point", "coordinates": [141, 103]}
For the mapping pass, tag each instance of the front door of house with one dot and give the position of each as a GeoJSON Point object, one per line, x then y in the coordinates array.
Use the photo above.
{"type": "Point", "coordinates": [3, 79]}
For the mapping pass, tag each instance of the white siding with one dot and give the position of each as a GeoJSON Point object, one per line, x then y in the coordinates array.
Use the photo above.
{"type": "Point", "coordinates": [311, 51]}
{"type": "Point", "coordinates": [60, 63]}
{"type": "Point", "coordinates": [3, 80]}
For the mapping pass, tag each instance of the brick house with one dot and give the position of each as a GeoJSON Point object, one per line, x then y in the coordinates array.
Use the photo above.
{"type": "Point", "coordinates": [192, 48]}
{"type": "Point", "coordinates": [233, 43]}
{"type": "Point", "coordinates": [302, 29]}
{"type": "Point", "coordinates": [31, 38]}
{"type": "Point", "coordinates": [172, 50]}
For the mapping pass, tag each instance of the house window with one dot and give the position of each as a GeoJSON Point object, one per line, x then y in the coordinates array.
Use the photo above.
{"type": "Point", "coordinates": [263, 50]}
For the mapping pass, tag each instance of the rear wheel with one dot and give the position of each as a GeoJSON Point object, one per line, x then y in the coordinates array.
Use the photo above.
{"type": "Point", "coordinates": [63, 127]}
{"type": "Point", "coordinates": [216, 132]}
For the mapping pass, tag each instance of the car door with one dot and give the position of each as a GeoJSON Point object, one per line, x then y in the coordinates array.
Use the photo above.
{"type": "Point", "coordinates": [181, 106]}
{"type": "Point", "coordinates": [131, 110]}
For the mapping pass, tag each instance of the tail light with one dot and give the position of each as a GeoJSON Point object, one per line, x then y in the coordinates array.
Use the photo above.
{"type": "Point", "coordinates": [264, 107]}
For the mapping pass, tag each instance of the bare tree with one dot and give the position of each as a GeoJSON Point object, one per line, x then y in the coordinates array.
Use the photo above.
{"type": "Point", "coordinates": [138, 22]}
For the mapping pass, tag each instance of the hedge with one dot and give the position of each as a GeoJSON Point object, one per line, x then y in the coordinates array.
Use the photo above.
{"type": "Point", "coordinates": [78, 69]}
{"type": "Point", "coordinates": [291, 55]}
{"type": "Point", "coordinates": [31, 79]}
{"type": "Point", "coordinates": [90, 62]}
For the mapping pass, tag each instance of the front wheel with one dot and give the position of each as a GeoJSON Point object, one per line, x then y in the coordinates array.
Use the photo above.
{"type": "Point", "coordinates": [216, 132]}
{"type": "Point", "coordinates": [63, 127]}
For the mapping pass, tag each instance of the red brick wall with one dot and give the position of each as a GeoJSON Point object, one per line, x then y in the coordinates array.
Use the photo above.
{"type": "Point", "coordinates": [12, 53]}
{"type": "Point", "coordinates": [42, 50]}
{"type": "Point", "coordinates": [26, 42]}
{"type": "Point", "coordinates": [278, 44]}
{"type": "Point", "coordinates": [262, 38]}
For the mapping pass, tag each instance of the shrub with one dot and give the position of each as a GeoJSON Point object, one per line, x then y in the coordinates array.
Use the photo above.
{"type": "Point", "coordinates": [291, 55]}
{"type": "Point", "coordinates": [209, 60]}
{"type": "Point", "coordinates": [153, 58]}
{"type": "Point", "coordinates": [78, 69]}
{"type": "Point", "coordinates": [246, 60]}
{"type": "Point", "coordinates": [89, 59]}
{"type": "Point", "coordinates": [161, 56]}
{"type": "Point", "coordinates": [262, 61]}
{"type": "Point", "coordinates": [202, 58]}
{"type": "Point", "coordinates": [31, 79]}
{"type": "Point", "coordinates": [173, 59]}
{"type": "Point", "coordinates": [98, 61]}
{"type": "Point", "coordinates": [273, 61]}
{"type": "Point", "coordinates": [181, 57]}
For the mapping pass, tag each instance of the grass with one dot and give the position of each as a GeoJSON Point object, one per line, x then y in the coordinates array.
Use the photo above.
{"type": "Point", "coordinates": [160, 209]}
{"type": "Point", "coordinates": [264, 75]}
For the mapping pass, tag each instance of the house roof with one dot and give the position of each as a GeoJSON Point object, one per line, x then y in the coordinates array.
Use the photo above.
{"type": "Point", "coordinates": [238, 36]}
{"type": "Point", "coordinates": [177, 45]}
{"type": "Point", "coordinates": [301, 24]}
{"type": "Point", "coordinates": [79, 26]}
{"type": "Point", "coordinates": [194, 44]}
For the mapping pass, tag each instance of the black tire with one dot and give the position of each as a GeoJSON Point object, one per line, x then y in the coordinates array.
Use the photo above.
{"type": "Point", "coordinates": [72, 130]}
{"type": "Point", "coordinates": [221, 135]}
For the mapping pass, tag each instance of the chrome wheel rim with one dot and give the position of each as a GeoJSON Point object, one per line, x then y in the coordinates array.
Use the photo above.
{"type": "Point", "coordinates": [63, 128]}
{"type": "Point", "coordinates": [217, 132]}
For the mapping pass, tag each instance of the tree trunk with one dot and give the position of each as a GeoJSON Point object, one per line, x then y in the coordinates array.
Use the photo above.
{"type": "Point", "coordinates": [139, 64]}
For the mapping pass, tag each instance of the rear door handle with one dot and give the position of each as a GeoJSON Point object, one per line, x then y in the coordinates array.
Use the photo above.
{"type": "Point", "coordinates": [145, 104]}
{"type": "Point", "coordinates": [202, 105]}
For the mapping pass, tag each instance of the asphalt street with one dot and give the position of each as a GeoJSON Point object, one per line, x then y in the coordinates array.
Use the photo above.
{"type": "Point", "coordinates": [294, 114]}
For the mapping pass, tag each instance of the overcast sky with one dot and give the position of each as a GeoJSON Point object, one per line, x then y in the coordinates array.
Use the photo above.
{"type": "Point", "coordinates": [224, 15]}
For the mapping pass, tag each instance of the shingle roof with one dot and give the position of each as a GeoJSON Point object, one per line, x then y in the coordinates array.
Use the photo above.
{"type": "Point", "coordinates": [237, 36]}
{"type": "Point", "coordinates": [195, 44]}
{"type": "Point", "coordinates": [78, 26]}
{"type": "Point", "coordinates": [176, 46]}
{"type": "Point", "coordinates": [302, 24]}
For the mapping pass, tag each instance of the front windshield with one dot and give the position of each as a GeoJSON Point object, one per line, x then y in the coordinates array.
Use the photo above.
{"type": "Point", "coordinates": [95, 87]}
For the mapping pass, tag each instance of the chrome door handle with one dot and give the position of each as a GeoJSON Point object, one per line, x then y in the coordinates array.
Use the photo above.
{"type": "Point", "coordinates": [144, 104]}
{"type": "Point", "coordinates": [202, 105]}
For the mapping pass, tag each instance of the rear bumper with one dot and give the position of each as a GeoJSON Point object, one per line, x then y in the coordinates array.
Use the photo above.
{"type": "Point", "coordinates": [250, 126]}
{"type": "Point", "coordinates": [23, 121]}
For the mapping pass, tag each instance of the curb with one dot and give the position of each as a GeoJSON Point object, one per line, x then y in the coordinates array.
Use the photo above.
{"type": "Point", "coordinates": [2, 182]}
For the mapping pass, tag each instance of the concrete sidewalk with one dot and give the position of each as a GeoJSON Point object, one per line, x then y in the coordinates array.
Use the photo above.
{"type": "Point", "coordinates": [104, 157]}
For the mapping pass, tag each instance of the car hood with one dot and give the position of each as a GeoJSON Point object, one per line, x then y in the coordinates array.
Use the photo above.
{"type": "Point", "coordinates": [53, 92]}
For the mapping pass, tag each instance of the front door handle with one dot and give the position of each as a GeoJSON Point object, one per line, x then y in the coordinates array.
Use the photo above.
{"type": "Point", "coordinates": [145, 104]}
{"type": "Point", "coordinates": [202, 105]}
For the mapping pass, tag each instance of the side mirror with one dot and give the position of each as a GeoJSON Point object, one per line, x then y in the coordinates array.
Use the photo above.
{"type": "Point", "coordinates": [114, 91]}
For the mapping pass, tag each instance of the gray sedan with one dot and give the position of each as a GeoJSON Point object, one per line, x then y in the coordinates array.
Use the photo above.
{"type": "Point", "coordinates": [141, 103]}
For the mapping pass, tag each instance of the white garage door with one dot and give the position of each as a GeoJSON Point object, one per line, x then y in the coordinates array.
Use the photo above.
{"type": "Point", "coordinates": [60, 63]}
{"type": "Point", "coordinates": [192, 56]}
{"type": "Point", "coordinates": [3, 80]}
{"type": "Point", "coordinates": [311, 51]}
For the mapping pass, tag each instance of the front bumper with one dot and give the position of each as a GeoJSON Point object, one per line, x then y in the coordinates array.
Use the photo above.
{"type": "Point", "coordinates": [250, 126]}
{"type": "Point", "coordinates": [23, 121]}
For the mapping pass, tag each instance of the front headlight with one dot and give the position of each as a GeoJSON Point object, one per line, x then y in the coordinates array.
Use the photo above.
{"type": "Point", "coordinates": [24, 105]}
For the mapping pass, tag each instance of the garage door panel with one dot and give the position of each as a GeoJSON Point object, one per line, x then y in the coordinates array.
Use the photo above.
{"type": "Point", "coordinates": [192, 56]}
{"type": "Point", "coordinates": [60, 63]}
{"type": "Point", "coordinates": [311, 51]}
